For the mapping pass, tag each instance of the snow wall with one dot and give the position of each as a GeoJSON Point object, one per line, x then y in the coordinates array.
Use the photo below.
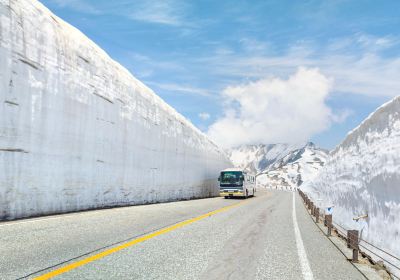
{"type": "Point", "coordinates": [362, 176]}
{"type": "Point", "coordinates": [78, 131]}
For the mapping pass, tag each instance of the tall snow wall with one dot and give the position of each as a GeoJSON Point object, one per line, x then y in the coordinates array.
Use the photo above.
{"type": "Point", "coordinates": [362, 176]}
{"type": "Point", "coordinates": [78, 131]}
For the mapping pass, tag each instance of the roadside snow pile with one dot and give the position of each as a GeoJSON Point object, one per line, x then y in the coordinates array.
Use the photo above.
{"type": "Point", "coordinates": [295, 168]}
{"type": "Point", "coordinates": [78, 131]}
{"type": "Point", "coordinates": [362, 176]}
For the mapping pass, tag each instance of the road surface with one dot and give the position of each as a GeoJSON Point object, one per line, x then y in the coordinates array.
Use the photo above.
{"type": "Point", "coordinates": [258, 238]}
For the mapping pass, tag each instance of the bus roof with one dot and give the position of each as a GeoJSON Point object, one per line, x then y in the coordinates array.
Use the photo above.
{"type": "Point", "coordinates": [234, 169]}
{"type": "Point", "coordinates": [244, 171]}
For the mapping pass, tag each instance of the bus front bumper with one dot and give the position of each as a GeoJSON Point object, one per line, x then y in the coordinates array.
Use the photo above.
{"type": "Point", "coordinates": [231, 193]}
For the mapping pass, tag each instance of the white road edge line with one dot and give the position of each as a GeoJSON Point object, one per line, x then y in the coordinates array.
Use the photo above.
{"type": "Point", "coordinates": [11, 223]}
{"type": "Point", "coordinates": [88, 213]}
{"type": "Point", "coordinates": [91, 212]}
{"type": "Point", "coordinates": [301, 252]}
{"type": "Point", "coordinates": [56, 217]}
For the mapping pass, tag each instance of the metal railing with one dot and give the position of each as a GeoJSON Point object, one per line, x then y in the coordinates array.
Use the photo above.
{"type": "Point", "coordinates": [354, 242]}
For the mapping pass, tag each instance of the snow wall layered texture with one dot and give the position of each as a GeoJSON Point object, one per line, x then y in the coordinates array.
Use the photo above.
{"type": "Point", "coordinates": [78, 131]}
{"type": "Point", "coordinates": [362, 176]}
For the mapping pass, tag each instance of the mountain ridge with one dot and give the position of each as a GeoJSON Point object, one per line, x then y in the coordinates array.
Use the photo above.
{"type": "Point", "coordinates": [280, 164]}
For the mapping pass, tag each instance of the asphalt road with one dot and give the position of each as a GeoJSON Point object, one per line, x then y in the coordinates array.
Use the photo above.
{"type": "Point", "coordinates": [257, 238]}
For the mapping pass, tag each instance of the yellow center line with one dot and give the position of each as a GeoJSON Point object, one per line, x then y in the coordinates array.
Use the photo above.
{"type": "Point", "coordinates": [133, 242]}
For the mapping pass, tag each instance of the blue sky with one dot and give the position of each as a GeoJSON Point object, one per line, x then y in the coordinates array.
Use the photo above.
{"type": "Point", "coordinates": [214, 61]}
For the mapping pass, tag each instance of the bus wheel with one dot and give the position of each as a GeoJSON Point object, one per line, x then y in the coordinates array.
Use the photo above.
{"type": "Point", "coordinates": [226, 197]}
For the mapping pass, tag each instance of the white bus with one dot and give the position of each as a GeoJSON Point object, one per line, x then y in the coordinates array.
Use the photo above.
{"type": "Point", "coordinates": [235, 182]}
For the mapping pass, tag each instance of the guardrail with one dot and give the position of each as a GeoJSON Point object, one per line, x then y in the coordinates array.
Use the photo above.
{"type": "Point", "coordinates": [352, 237]}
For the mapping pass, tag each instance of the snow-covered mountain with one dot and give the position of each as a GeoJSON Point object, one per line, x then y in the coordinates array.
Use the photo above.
{"type": "Point", "coordinates": [295, 168]}
{"type": "Point", "coordinates": [362, 176]}
{"type": "Point", "coordinates": [257, 158]}
{"type": "Point", "coordinates": [280, 164]}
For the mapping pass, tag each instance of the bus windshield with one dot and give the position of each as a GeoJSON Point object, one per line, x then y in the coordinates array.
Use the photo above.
{"type": "Point", "coordinates": [231, 177]}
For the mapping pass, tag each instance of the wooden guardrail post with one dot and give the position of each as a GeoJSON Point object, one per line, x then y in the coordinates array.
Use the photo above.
{"type": "Point", "coordinates": [349, 233]}
{"type": "Point", "coordinates": [317, 215]}
{"type": "Point", "coordinates": [352, 243]}
{"type": "Point", "coordinates": [328, 221]}
{"type": "Point", "coordinates": [311, 207]}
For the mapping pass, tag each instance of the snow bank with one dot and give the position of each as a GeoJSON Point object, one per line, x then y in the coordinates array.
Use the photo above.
{"type": "Point", "coordinates": [78, 131]}
{"type": "Point", "coordinates": [362, 176]}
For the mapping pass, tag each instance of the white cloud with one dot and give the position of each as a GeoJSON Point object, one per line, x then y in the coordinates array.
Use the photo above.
{"type": "Point", "coordinates": [204, 116]}
{"type": "Point", "coordinates": [376, 43]}
{"type": "Point", "coordinates": [148, 64]}
{"type": "Point", "coordinates": [253, 46]}
{"type": "Point", "coordinates": [274, 110]}
{"type": "Point", "coordinates": [78, 5]}
{"type": "Point", "coordinates": [182, 89]}
{"type": "Point", "coordinates": [168, 12]}
{"type": "Point", "coordinates": [165, 12]}
{"type": "Point", "coordinates": [359, 64]}
{"type": "Point", "coordinates": [342, 115]}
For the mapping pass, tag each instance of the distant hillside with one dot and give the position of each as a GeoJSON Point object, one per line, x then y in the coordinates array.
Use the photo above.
{"type": "Point", "coordinates": [258, 158]}
{"type": "Point", "coordinates": [280, 164]}
{"type": "Point", "coordinates": [295, 168]}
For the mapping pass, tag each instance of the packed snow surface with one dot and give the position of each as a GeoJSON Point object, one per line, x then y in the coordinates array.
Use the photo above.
{"type": "Point", "coordinates": [362, 176]}
{"type": "Point", "coordinates": [78, 131]}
